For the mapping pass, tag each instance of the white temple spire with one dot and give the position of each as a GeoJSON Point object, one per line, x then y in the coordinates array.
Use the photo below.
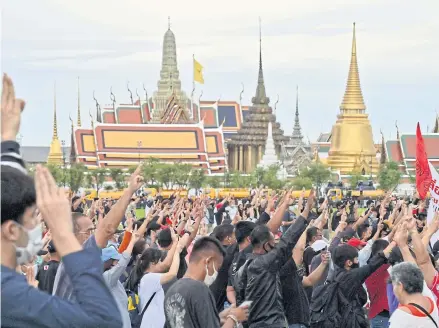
{"type": "Point", "coordinates": [269, 158]}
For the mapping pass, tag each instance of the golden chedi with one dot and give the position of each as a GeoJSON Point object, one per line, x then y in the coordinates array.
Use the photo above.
{"type": "Point", "coordinates": [352, 147]}
{"type": "Point", "coordinates": [55, 154]}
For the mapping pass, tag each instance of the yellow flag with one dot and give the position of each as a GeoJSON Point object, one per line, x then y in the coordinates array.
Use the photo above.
{"type": "Point", "coordinates": [198, 72]}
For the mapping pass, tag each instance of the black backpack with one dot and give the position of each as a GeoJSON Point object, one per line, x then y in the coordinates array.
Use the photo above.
{"type": "Point", "coordinates": [330, 308]}
{"type": "Point", "coordinates": [136, 315]}
{"type": "Point", "coordinates": [134, 310]}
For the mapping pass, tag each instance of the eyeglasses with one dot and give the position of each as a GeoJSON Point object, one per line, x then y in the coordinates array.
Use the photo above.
{"type": "Point", "coordinates": [89, 231]}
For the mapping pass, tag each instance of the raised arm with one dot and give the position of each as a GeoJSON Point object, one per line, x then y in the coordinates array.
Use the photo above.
{"type": "Point", "coordinates": [11, 109]}
{"type": "Point", "coordinates": [276, 221]}
{"type": "Point", "coordinates": [107, 227]}
{"type": "Point", "coordinates": [115, 272]}
{"type": "Point", "coordinates": [173, 270]}
{"type": "Point", "coordinates": [275, 259]}
{"type": "Point", "coordinates": [95, 306]}
{"type": "Point", "coordinates": [317, 274]}
{"type": "Point", "coordinates": [422, 257]}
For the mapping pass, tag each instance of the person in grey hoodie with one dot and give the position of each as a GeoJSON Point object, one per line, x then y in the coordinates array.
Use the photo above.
{"type": "Point", "coordinates": [114, 266]}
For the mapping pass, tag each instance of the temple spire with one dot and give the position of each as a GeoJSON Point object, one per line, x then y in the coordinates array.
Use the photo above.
{"type": "Point", "coordinates": [297, 131]}
{"type": "Point", "coordinates": [269, 158]}
{"type": "Point", "coordinates": [79, 107]}
{"type": "Point", "coordinates": [261, 97]}
{"type": "Point", "coordinates": [383, 158]}
{"type": "Point", "coordinates": [353, 97]}
{"type": "Point", "coordinates": [436, 124]}
{"type": "Point", "coordinates": [55, 125]}
{"type": "Point", "coordinates": [169, 22]}
{"type": "Point", "coordinates": [55, 154]}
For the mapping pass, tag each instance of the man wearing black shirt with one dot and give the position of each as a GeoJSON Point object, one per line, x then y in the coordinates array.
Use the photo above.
{"type": "Point", "coordinates": [224, 233]}
{"type": "Point", "coordinates": [47, 270]}
{"type": "Point", "coordinates": [243, 231]}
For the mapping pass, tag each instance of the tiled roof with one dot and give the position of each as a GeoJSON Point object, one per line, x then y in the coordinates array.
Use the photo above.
{"type": "Point", "coordinates": [37, 154]}
{"type": "Point", "coordinates": [393, 150]}
{"type": "Point", "coordinates": [324, 137]}
{"type": "Point", "coordinates": [408, 145]}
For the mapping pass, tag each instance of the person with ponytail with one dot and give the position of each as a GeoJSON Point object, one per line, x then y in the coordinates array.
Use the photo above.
{"type": "Point", "coordinates": [147, 278]}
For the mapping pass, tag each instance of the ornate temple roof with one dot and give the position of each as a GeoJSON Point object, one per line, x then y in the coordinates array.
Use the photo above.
{"type": "Point", "coordinates": [255, 126]}
{"type": "Point", "coordinates": [297, 137]}
{"type": "Point", "coordinates": [169, 78]}
{"type": "Point", "coordinates": [353, 97]}
{"type": "Point", "coordinates": [403, 151]}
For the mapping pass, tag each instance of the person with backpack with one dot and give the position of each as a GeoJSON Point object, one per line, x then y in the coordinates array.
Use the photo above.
{"type": "Point", "coordinates": [340, 301]}
{"type": "Point", "coordinates": [114, 266]}
{"type": "Point", "coordinates": [145, 284]}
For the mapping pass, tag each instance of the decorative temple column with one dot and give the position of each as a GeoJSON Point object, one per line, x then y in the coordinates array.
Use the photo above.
{"type": "Point", "coordinates": [249, 160]}
{"type": "Point", "coordinates": [241, 159]}
{"type": "Point", "coordinates": [259, 153]}
{"type": "Point", "coordinates": [235, 158]}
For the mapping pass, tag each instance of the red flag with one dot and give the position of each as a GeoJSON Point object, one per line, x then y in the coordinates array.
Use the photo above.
{"type": "Point", "coordinates": [423, 174]}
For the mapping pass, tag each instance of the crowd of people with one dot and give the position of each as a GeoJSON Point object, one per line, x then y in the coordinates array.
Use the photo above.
{"type": "Point", "coordinates": [267, 261]}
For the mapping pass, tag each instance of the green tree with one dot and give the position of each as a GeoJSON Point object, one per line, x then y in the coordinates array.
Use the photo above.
{"type": "Point", "coordinates": [118, 177]}
{"type": "Point", "coordinates": [389, 176]}
{"type": "Point", "coordinates": [96, 178]}
{"type": "Point", "coordinates": [150, 170]}
{"type": "Point", "coordinates": [181, 174]}
{"type": "Point", "coordinates": [300, 182]}
{"type": "Point", "coordinates": [317, 172]}
{"type": "Point", "coordinates": [227, 179]}
{"type": "Point", "coordinates": [213, 182]}
{"type": "Point", "coordinates": [75, 177]}
{"type": "Point", "coordinates": [270, 178]}
{"type": "Point", "coordinates": [355, 178]}
{"type": "Point", "coordinates": [238, 180]}
{"type": "Point", "coordinates": [257, 176]}
{"type": "Point", "coordinates": [57, 173]}
{"type": "Point", "coordinates": [166, 175]}
{"type": "Point", "coordinates": [108, 187]}
{"type": "Point", "coordinates": [197, 178]}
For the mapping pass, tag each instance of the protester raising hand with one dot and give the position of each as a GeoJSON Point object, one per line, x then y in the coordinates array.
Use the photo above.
{"type": "Point", "coordinates": [432, 228]}
{"type": "Point", "coordinates": [136, 179]}
{"type": "Point", "coordinates": [11, 110]}
{"type": "Point", "coordinates": [55, 210]}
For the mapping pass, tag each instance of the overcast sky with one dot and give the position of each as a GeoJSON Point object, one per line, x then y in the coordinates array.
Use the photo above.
{"type": "Point", "coordinates": [305, 43]}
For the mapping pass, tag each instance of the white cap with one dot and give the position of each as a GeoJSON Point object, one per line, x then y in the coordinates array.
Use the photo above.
{"type": "Point", "coordinates": [319, 245]}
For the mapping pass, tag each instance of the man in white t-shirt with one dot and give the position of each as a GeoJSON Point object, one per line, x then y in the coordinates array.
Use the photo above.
{"type": "Point", "coordinates": [417, 306]}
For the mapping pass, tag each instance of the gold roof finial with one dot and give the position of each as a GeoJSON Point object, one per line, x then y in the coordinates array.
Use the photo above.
{"type": "Point", "coordinates": [353, 97]}
{"type": "Point", "coordinates": [79, 107]}
{"type": "Point", "coordinates": [397, 130]}
{"type": "Point", "coordinates": [55, 125]}
{"type": "Point", "coordinates": [71, 121]}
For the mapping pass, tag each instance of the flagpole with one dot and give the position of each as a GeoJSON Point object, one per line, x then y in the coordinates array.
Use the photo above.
{"type": "Point", "coordinates": [193, 86]}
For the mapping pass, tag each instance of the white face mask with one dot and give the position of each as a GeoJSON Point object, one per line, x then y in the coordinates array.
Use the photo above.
{"type": "Point", "coordinates": [34, 245]}
{"type": "Point", "coordinates": [208, 280]}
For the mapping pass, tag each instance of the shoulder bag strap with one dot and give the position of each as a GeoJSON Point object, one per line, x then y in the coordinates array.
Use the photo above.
{"type": "Point", "coordinates": [420, 308]}
{"type": "Point", "coordinates": [149, 302]}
